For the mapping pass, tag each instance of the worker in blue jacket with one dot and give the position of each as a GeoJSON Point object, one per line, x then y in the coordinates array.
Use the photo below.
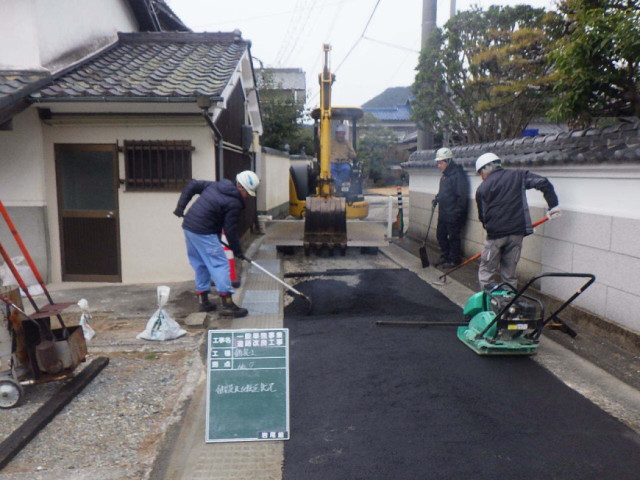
{"type": "Point", "coordinates": [503, 211]}
{"type": "Point", "coordinates": [217, 208]}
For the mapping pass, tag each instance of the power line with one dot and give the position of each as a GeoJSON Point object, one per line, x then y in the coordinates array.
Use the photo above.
{"type": "Point", "coordinates": [302, 27]}
{"type": "Point", "coordinates": [392, 45]}
{"type": "Point", "coordinates": [360, 37]}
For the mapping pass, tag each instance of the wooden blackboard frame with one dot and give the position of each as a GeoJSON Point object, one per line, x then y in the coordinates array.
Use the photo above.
{"type": "Point", "coordinates": [247, 385]}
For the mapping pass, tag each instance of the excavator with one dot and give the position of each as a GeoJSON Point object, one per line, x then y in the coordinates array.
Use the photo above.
{"type": "Point", "coordinates": [303, 176]}
{"type": "Point", "coordinates": [323, 201]}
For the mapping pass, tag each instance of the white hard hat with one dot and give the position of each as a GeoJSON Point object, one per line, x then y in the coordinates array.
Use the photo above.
{"type": "Point", "coordinates": [485, 159]}
{"type": "Point", "coordinates": [341, 128]}
{"type": "Point", "coordinates": [249, 181]}
{"type": "Point", "coordinates": [444, 154]}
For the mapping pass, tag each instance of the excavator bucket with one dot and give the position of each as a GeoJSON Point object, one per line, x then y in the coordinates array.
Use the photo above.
{"type": "Point", "coordinates": [325, 223]}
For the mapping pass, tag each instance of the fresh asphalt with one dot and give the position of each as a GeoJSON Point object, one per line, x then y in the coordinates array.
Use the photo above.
{"type": "Point", "coordinates": [372, 402]}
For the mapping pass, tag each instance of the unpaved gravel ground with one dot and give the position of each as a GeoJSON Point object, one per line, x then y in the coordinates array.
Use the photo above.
{"type": "Point", "coordinates": [113, 429]}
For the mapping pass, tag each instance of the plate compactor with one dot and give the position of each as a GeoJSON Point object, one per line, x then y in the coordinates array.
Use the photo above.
{"type": "Point", "coordinates": [504, 321]}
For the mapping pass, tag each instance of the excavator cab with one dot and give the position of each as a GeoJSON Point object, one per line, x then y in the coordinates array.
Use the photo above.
{"type": "Point", "coordinates": [345, 168]}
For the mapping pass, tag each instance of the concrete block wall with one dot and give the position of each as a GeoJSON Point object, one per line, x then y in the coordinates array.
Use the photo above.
{"type": "Point", "coordinates": [603, 245]}
{"type": "Point", "coordinates": [606, 245]}
{"type": "Point", "coordinates": [473, 234]}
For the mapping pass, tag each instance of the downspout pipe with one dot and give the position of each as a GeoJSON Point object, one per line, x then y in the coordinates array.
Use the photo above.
{"type": "Point", "coordinates": [204, 103]}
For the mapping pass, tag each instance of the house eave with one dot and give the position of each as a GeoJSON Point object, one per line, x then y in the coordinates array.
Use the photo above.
{"type": "Point", "coordinates": [34, 99]}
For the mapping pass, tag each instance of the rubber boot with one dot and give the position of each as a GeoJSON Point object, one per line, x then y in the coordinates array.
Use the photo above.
{"type": "Point", "coordinates": [440, 261]}
{"type": "Point", "coordinates": [205, 304]}
{"type": "Point", "coordinates": [230, 309]}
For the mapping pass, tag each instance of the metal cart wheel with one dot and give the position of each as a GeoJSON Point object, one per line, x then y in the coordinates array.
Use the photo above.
{"type": "Point", "coordinates": [10, 393]}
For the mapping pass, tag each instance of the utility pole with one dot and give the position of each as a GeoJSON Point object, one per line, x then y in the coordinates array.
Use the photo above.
{"type": "Point", "coordinates": [429, 13]}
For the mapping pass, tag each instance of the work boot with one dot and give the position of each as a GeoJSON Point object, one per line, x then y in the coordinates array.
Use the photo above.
{"type": "Point", "coordinates": [230, 309]}
{"type": "Point", "coordinates": [440, 261]}
{"type": "Point", "coordinates": [449, 264]}
{"type": "Point", "coordinates": [205, 304]}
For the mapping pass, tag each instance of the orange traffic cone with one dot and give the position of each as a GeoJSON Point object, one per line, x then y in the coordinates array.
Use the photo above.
{"type": "Point", "coordinates": [233, 274]}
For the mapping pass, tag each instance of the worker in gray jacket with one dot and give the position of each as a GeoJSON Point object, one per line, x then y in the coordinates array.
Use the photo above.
{"type": "Point", "coordinates": [503, 211]}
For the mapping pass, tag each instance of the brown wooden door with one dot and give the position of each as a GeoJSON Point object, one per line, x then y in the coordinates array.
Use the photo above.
{"type": "Point", "coordinates": [87, 181]}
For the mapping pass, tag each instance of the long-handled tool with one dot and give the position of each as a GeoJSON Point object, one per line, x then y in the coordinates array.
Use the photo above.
{"type": "Point", "coordinates": [25, 289]}
{"type": "Point", "coordinates": [284, 284]}
{"type": "Point", "coordinates": [281, 282]}
{"type": "Point", "coordinates": [442, 279]}
{"type": "Point", "coordinates": [53, 309]}
{"type": "Point", "coordinates": [423, 249]}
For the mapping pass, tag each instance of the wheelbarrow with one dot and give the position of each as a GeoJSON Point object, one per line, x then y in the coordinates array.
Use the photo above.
{"type": "Point", "coordinates": [31, 352]}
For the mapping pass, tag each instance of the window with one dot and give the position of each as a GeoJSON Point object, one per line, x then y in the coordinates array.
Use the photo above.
{"type": "Point", "coordinates": [157, 165]}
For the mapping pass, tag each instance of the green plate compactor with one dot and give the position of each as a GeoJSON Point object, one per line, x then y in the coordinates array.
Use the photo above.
{"type": "Point", "coordinates": [508, 322]}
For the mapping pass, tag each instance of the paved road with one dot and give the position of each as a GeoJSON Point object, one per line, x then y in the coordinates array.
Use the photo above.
{"type": "Point", "coordinates": [372, 402]}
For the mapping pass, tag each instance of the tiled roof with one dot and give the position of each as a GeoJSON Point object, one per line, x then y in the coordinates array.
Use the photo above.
{"type": "Point", "coordinates": [18, 84]}
{"type": "Point", "coordinates": [617, 143]}
{"type": "Point", "coordinates": [15, 86]}
{"type": "Point", "coordinates": [153, 65]}
{"type": "Point", "coordinates": [400, 113]}
{"type": "Point", "coordinates": [391, 97]}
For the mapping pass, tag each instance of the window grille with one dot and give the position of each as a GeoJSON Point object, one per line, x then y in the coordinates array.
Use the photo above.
{"type": "Point", "coordinates": [157, 165]}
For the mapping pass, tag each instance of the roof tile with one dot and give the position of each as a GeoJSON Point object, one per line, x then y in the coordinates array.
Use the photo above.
{"type": "Point", "coordinates": [618, 143]}
{"type": "Point", "coordinates": [155, 65]}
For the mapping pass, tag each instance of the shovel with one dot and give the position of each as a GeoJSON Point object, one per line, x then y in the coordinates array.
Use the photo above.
{"type": "Point", "coordinates": [423, 249]}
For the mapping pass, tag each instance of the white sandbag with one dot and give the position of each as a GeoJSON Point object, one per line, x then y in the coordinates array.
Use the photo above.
{"type": "Point", "coordinates": [161, 326]}
{"type": "Point", "coordinates": [85, 320]}
{"type": "Point", "coordinates": [28, 277]}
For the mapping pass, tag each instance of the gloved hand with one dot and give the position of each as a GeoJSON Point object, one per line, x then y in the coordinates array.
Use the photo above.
{"type": "Point", "coordinates": [555, 212]}
{"type": "Point", "coordinates": [179, 212]}
{"type": "Point", "coordinates": [241, 256]}
{"type": "Point", "coordinates": [434, 202]}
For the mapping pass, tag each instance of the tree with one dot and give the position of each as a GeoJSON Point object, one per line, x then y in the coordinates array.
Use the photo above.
{"type": "Point", "coordinates": [283, 119]}
{"type": "Point", "coordinates": [487, 74]}
{"type": "Point", "coordinates": [282, 125]}
{"type": "Point", "coordinates": [598, 60]}
{"type": "Point", "coordinates": [375, 150]}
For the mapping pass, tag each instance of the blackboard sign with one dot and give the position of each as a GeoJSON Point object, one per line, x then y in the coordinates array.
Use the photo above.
{"type": "Point", "coordinates": [248, 385]}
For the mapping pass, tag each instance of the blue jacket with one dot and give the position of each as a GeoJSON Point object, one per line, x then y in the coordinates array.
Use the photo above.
{"type": "Point", "coordinates": [502, 201]}
{"type": "Point", "coordinates": [217, 208]}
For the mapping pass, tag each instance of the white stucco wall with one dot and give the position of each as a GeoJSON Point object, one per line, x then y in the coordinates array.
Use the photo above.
{"type": "Point", "coordinates": [151, 240]}
{"type": "Point", "coordinates": [598, 233]}
{"type": "Point", "coordinates": [274, 188]}
{"type": "Point", "coordinates": [54, 33]}
{"type": "Point", "coordinates": [84, 26]}
{"type": "Point", "coordinates": [21, 153]}
{"type": "Point", "coordinates": [19, 48]}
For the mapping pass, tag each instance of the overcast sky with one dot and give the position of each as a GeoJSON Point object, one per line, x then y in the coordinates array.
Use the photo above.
{"type": "Point", "coordinates": [290, 33]}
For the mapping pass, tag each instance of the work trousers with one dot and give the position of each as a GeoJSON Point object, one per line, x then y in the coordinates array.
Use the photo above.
{"type": "Point", "coordinates": [500, 256]}
{"type": "Point", "coordinates": [340, 172]}
{"type": "Point", "coordinates": [448, 235]}
{"type": "Point", "coordinates": [209, 262]}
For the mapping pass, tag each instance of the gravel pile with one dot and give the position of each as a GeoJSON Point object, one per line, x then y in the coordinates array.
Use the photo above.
{"type": "Point", "coordinates": [113, 429]}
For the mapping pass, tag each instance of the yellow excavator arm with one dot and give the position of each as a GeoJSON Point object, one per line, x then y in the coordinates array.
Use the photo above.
{"type": "Point", "coordinates": [325, 182]}
{"type": "Point", "coordinates": [325, 220]}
